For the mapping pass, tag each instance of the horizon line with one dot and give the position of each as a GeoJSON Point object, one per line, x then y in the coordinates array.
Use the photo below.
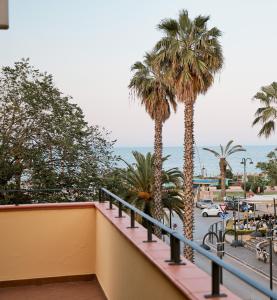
{"type": "Point", "coordinates": [175, 146]}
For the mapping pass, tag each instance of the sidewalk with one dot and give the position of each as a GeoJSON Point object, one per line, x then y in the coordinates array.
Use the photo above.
{"type": "Point", "coordinates": [248, 258]}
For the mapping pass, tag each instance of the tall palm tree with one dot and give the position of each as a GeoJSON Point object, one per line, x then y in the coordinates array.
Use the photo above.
{"type": "Point", "coordinates": [139, 188]}
{"type": "Point", "coordinates": [266, 115]}
{"type": "Point", "coordinates": [189, 54]}
{"type": "Point", "coordinates": [223, 162]}
{"type": "Point", "coordinates": [158, 100]}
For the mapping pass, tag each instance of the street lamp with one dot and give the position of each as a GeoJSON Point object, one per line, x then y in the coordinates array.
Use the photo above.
{"type": "Point", "coordinates": [270, 238]}
{"type": "Point", "coordinates": [203, 172]}
{"type": "Point", "coordinates": [243, 162]}
{"type": "Point", "coordinates": [4, 15]}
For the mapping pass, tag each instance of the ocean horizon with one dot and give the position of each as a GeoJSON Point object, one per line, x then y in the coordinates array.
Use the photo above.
{"type": "Point", "coordinates": [202, 158]}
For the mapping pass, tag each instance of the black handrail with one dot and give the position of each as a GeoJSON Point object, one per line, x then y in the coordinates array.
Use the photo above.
{"type": "Point", "coordinates": [176, 238]}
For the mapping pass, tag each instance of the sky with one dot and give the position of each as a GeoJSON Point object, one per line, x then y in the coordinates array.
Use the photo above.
{"type": "Point", "coordinates": [90, 45]}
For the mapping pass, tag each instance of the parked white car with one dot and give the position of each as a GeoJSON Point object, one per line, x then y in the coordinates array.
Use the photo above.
{"type": "Point", "coordinates": [213, 211]}
{"type": "Point", "coordinates": [205, 203]}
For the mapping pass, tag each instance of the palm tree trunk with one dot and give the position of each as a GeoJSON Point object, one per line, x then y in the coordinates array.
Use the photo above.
{"type": "Point", "coordinates": [188, 177]}
{"type": "Point", "coordinates": [158, 206]}
{"type": "Point", "coordinates": [222, 176]}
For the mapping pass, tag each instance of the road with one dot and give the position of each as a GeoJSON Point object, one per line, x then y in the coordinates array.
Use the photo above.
{"type": "Point", "coordinates": [234, 284]}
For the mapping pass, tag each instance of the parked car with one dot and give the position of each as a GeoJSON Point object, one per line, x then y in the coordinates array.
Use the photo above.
{"type": "Point", "coordinates": [246, 206]}
{"type": "Point", "coordinates": [204, 203]}
{"type": "Point", "coordinates": [213, 211]}
{"type": "Point", "coordinates": [233, 204]}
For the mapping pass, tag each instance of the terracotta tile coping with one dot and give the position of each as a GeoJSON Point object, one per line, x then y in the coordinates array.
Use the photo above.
{"type": "Point", "coordinates": [189, 279]}
{"type": "Point", "coordinates": [47, 206]}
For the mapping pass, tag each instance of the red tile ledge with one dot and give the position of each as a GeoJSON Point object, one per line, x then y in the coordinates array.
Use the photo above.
{"type": "Point", "coordinates": [47, 206]}
{"type": "Point", "coordinates": [189, 279]}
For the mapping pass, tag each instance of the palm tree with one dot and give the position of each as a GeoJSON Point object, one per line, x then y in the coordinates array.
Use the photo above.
{"type": "Point", "coordinates": [139, 188]}
{"type": "Point", "coordinates": [267, 114]}
{"type": "Point", "coordinates": [158, 100]}
{"type": "Point", "coordinates": [189, 54]}
{"type": "Point", "coordinates": [223, 162]}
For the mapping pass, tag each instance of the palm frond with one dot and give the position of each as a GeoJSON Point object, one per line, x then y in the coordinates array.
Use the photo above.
{"type": "Point", "coordinates": [212, 151]}
{"type": "Point", "coordinates": [267, 129]}
{"type": "Point", "coordinates": [266, 115]}
{"type": "Point", "coordinates": [228, 146]}
{"type": "Point", "coordinates": [139, 178]}
{"type": "Point", "coordinates": [169, 26]}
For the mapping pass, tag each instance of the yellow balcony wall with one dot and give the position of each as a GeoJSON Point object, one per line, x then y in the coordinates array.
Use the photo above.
{"type": "Point", "coordinates": [46, 242]}
{"type": "Point", "coordinates": [86, 239]}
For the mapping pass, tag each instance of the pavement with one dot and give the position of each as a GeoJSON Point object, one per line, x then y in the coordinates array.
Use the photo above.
{"type": "Point", "coordinates": [248, 257]}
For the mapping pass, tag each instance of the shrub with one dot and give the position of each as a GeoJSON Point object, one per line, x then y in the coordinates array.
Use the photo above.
{"type": "Point", "coordinates": [247, 186]}
{"type": "Point", "coordinates": [254, 187]}
{"type": "Point", "coordinates": [246, 231]}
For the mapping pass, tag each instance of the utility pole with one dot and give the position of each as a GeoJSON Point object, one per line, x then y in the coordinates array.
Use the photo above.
{"type": "Point", "coordinates": [243, 162]}
{"type": "Point", "coordinates": [4, 14]}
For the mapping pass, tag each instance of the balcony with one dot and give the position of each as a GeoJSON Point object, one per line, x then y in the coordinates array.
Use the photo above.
{"type": "Point", "coordinates": [85, 251]}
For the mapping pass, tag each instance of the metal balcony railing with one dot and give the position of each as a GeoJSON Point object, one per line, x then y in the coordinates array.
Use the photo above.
{"type": "Point", "coordinates": [175, 241]}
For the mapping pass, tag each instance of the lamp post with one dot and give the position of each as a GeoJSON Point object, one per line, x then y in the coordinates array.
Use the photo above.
{"type": "Point", "coordinates": [4, 15]}
{"type": "Point", "coordinates": [243, 162]}
{"type": "Point", "coordinates": [203, 172]}
{"type": "Point", "coordinates": [236, 243]}
{"type": "Point", "coordinates": [270, 238]}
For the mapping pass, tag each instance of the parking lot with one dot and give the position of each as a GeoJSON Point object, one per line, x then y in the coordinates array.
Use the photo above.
{"type": "Point", "coordinates": [201, 224]}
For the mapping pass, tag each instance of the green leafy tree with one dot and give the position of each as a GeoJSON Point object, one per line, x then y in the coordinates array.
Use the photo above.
{"type": "Point", "coordinates": [229, 174]}
{"type": "Point", "coordinates": [248, 186]}
{"type": "Point", "coordinates": [269, 168]}
{"type": "Point", "coordinates": [158, 100]}
{"type": "Point", "coordinates": [45, 141]}
{"type": "Point", "coordinates": [266, 115]}
{"type": "Point", "coordinates": [223, 156]}
{"type": "Point", "coordinates": [189, 54]}
{"type": "Point", "coordinates": [139, 185]}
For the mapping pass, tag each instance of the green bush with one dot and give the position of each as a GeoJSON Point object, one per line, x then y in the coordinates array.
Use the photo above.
{"type": "Point", "coordinates": [257, 187]}
{"type": "Point", "coordinates": [254, 187]}
{"type": "Point", "coordinates": [242, 231]}
{"type": "Point", "coordinates": [262, 188]}
{"type": "Point", "coordinates": [247, 186]}
{"type": "Point", "coordinates": [246, 231]}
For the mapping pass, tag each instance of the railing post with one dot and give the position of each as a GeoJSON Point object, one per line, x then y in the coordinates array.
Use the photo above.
{"type": "Point", "coordinates": [215, 275]}
{"type": "Point", "coordinates": [132, 220]}
{"type": "Point", "coordinates": [110, 203]}
{"type": "Point", "coordinates": [171, 249]}
{"type": "Point", "coordinates": [120, 211]}
{"type": "Point", "coordinates": [175, 251]}
{"type": "Point", "coordinates": [149, 233]}
{"type": "Point", "coordinates": [100, 195]}
{"type": "Point", "coordinates": [220, 251]}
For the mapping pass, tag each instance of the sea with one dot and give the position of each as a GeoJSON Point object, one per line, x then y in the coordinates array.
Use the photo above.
{"type": "Point", "coordinates": [204, 161]}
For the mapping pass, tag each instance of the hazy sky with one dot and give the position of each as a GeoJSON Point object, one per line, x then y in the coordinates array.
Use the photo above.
{"type": "Point", "coordinates": [89, 46]}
